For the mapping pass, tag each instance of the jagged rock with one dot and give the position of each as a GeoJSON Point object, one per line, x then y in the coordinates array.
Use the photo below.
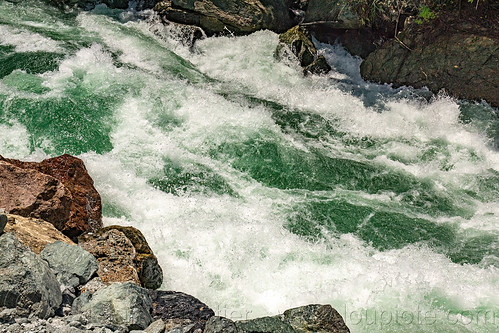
{"type": "Point", "coordinates": [123, 255]}
{"type": "Point", "coordinates": [92, 286]}
{"type": "Point", "coordinates": [148, 269]}
{"type": "Point", "coordinates": [237, 16]}
{"type": "Point", "coordinates": [26, 281]}
{"type": "Point", "coordinates": [264, 325]}
{"type": "Point", "coordinates": [34, 233]}
{"type": "Point", "coordinates": [3, 222]}
{"type": "Point", "coordinates": [169, 305]}
{"type": "Point", "coordinates": [115, 253]}
{"type": "Point", "coordinates": [465, 65]}
{"type": "Point", "coordinates": [218, 324]}
{"type": "Point", "coordinates": [157, 326]}
{"type": "Point", "coordinates": [118, 304]}
{"type": "Point", "coordinates": [60, 192]}
{"type": "Point", "coordinates": [73, 265]}
{"type": "Point", "coordinates": [298, 40]}
{"type": "Point", "coordinates": [315, 318]}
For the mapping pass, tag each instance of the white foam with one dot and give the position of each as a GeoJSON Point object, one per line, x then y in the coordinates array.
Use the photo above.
{"type": "Point", "coordinates": [25, 41]}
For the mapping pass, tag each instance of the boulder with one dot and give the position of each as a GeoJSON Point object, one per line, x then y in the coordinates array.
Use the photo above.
{"type": "Point", "coordinates": [73, 265]}
{"type": "Point", "coordinates": [315, 318]}
{"type": "Point", "coordinates": [298, 41]}
{"type": "Point", "coordinates": [34, 233]}
{"type": "Point", "coordinates": [115, 255]}
{"type": "Point", "coordinates": [168, 305]}
{"type": "Point", "coordinates": [237, 16]}
{"type": "Point", "coordinates": [148, 269]}
{"type": "Point", "coordinates": [218, 324]}
{"type": "Point", "coordinates": [117, 304]}
{"type": "Point", "coordinates": [336, 14]}
{"type": "Point", "coordinates": [124, 255]}
{"type": "Point", "coordinates": [60, 191]}
{"type": "Point", "coordinates": [30, 193]}
{"type": "Point", "coordinates": [26, 281]}
{"type": "Point", "coordinates": [465, 65]}
{"type": "Point", "coordinates": [264, 325]}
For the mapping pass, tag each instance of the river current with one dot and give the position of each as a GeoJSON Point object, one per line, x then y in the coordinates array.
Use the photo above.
{"type": "Point", "coordinates": [260, 189]}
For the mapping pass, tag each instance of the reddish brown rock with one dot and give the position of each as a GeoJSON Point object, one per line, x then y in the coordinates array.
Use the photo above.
{"type": "Point", "coordinates": [115, 255]}
{"type": "Point", "coordinates": [34, 233]}
{"type": "Point", "coordinates": [123, 255]}
{"type": "Point", "coordinates": [31, 193]}
{"type": "Point", "coordinates": [85, 209]}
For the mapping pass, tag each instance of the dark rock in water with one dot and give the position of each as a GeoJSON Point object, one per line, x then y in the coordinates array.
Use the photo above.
{"type": "Point", "coordinates": [60, 192]}
{"type": "Point", "coordinates": [148, 269]}
{"type": "Point", "coordinates": [237, 16]}
{"type": "Point", "coordinates": [169, 305]}
{"type": "Point", "coordinates": [118, 304]}
{"type": "Point", "coordinates": [26, 281]}
{"type": "Point", "coordinates": [218, 324]}
{"type": "Point", "coordinates": [3, 222]}
{"type": "Point", "coordinates": [115, 255]}
{"type": "Point", "coordinates": [34, 233]}
{"type": "Point", "coordinates": [73, 265]}
{"type": "Point", "coordinates": [465, 65]}
{"type": "Point", "coordinates": [123, 255]}
{"type": "Point", "coordinates": [315, 318]}
{"type": "Point", "coordinates": [264, 325]}
{"type": "Point", "coordinates": [298, 40]}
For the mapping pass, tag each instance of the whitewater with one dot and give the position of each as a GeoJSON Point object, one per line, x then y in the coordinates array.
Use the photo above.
{"type": "Point", "coordinates": [258, 188]}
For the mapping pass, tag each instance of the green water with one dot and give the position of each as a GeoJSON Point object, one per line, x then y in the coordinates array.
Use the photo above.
{"type": "Point", "coordinates": [268, 189]}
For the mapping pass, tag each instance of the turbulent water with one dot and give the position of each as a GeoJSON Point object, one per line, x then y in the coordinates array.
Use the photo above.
{"type": "Point", "coordinates": [260, 189]}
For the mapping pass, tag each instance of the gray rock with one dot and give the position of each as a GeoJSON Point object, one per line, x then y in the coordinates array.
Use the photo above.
{"type": "Point", "coordinates": [264, 325]}
{"type": "Point", "coordinates": [118, 304]}
{"type": "Point", "coordinates": [3, 222]}
{"type": "Point", "coordinates": [315, 318]}
{"type": "Point", "coordinates": [156, 327]}
{"type": "Point", "coordinates": [26, 281]}
{"type": "Point", "coordinates": [73, 265]}
{"type": "Point", "coordinates": [218, 324]}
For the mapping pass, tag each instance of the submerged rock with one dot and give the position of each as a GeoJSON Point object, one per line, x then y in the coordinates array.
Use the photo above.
{"type": "Point", "coordinates": [60, 191]}
{"type": "Point", "coordinates": [237, 16]}
{"type": "Point", "coordinates": [26, 281]}
{"type": "Point", "coordinates": [34, 233]}
{"type": "Point", "coordinates": [298, 41]}
{"type": "Point", "coordinates": [117, 304]}
{"type": "Point", "coordinates": [73, 265]}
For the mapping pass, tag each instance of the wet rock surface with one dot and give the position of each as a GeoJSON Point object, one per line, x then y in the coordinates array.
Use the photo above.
{"type": "Point", "coordinates": [238, 16]}
{"type": "Point", "coordinates": [298, 41]}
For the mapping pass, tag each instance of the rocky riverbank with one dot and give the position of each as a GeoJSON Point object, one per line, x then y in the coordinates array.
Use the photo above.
{"type": "Point", "coordinates": [106, 278]}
